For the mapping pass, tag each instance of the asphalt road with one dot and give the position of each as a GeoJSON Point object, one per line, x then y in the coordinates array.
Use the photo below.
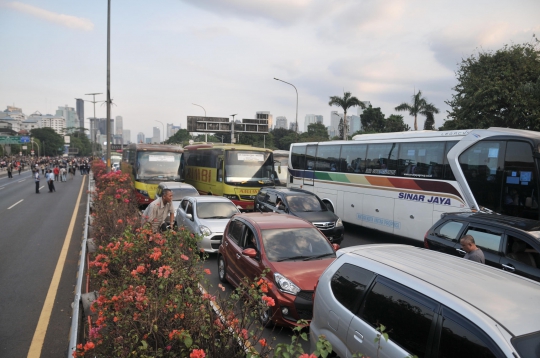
{"type": "Point", "coordinates": [354, 235]}
{"type": "Point", "coordinates": [33, 229]}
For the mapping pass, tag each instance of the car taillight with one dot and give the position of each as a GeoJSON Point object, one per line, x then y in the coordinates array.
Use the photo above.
{"type": "Point", "coordinates": [426, 244]}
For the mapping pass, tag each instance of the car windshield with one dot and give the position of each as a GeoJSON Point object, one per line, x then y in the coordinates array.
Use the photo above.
{"type": "Point", "coordinates": [296, 244]}
{"type": "Point", "coordinates": [304, 203]}
{"type": "Point", "coordinates": [158, 165]}
{"type": "Point", "coordinates": [213, 210]}
{"type": "Point", "coordinates": [180, 193]}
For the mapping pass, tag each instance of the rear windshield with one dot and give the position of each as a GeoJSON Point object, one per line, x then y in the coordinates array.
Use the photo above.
{"type": "Point", "coordinates": [305, 203]}
{"type": "Point", "coordinates": [179, 193]}
{"type": "Point", "coordinates": [527, 345]}
{"type": "Point", "coordinates": [211, 210]}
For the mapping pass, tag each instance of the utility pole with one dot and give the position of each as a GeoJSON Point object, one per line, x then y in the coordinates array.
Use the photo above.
{"type": "Point", "coordinates": [109, 86]}
{"type": "Point", "coordinates": [232, 129]}
{"type": "Point", "coordinates": [93, 123]}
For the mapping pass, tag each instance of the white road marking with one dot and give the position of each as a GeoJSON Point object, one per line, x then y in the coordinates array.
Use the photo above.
{"type": "Point", "coordinates": [2, 187]}
{"type": "Point", "coordinates": [42, 187]}
{"type": "Point", "coordinates": [15, 203]}
{"type": "Point", "coordinates": [21, 180]}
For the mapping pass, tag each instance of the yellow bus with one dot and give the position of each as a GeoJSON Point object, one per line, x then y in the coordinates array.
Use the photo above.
{"type": "Point", "coordinates": [153, 164]}
{"type": "Point", "coordinates": [234, 171]}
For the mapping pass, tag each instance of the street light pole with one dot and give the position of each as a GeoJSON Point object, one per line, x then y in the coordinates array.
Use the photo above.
{"type": "Point", "coordinates": [277, 79]}
{"type": "Point", "coordinates": [232, 129]}
{"type": "Point", "coordinates": [93, 122]}
{"type": "Point", "coordinates": [205, 134]}
{"type": "Point", "coordinates": [163, 127]}
{"type": "Point", "coordinates": [108, 86]}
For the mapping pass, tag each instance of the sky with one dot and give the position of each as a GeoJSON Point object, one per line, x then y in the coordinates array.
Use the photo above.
{"type": "Point", "coordinates": [224, 54]}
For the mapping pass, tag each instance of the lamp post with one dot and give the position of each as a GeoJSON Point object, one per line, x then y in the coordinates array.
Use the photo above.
{"type": "Point", "coordinates": [108, 86]}
{"type": "Point", "coordinates": [205, 134]}
{"type": "Point", "coordinates": [163, 127]}
{"type": "Point", "coordinates": [31, 140]}
{"type": "Point", "coordinates": [232, 129]}
{"type": "Point", "coordinates": [93, 123]}
{"type": "Point", "coordinates": [277, 79]}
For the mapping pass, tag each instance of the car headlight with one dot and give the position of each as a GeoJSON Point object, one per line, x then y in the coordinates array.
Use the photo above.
{"type": "Point", "coordinates": [205, 230]}
{"type": "Point", "coordinates": [339, 223]}
{"type": "Point", "coordinates": [143, 192]}
{"type": "Point", "coordinates": [286, 285]}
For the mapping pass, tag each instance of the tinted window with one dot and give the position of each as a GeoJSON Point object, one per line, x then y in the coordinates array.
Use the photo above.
{"type": "Point", "coordinates": [519, 250]}
{"type": "Point", "coordinates": [304, 203]}
{"type": "Point", "coordinates": [527, 345]}
{"type": "Point", "coordinates": [485, 238]}
{"type": "Point", "coordinates": [249, 240]}
{"type": "Point", "coordinates": [311, 152]}
{"type": "Point", "coordinates": [353, 158]}
{"type": "Point", "coordinates": [450, 230]}
{"type": "Point", "coordinates": [482, 165]}
{"type": "Point", "coordinates": [448, 173]}
{"type": "Point", "coordinates": [407, 320]}
{"type": "Point", "coordinates": [235, 231]}
{"type": "Point", "coordinates": [381, 159]}
{"type": "Point", "coordinates": [423, 160]}
{"type": "Point", "coordinates": [297, 156]}
{"type": "Point", "coordinates": [462, 339]}
{"type": "Point", "coordinates": [328, 158]}
{"type": "Point", "coordinates": [284, 244]}
{"type": "Point", "coordinates": [349, 283]}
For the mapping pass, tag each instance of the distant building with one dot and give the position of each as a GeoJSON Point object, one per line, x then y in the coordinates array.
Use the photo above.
{"type": "Point", "coordinates": [140, 138]}
{"type": "Point", "coordinates": [281, 122]}
{"type": "Point", "coordinates": [310, 119]}
{"type": "Point", "coordinates": [119, 125]}
{"type": "Point", "coordinates": [292, 126]}
{"type": "Point", "coordinates": [71, 117]}
{"type": "Point", "coordinates": [13, 116]}
{"type": "Point", "coordinates": [171, 130]}
{"type": "Point", "coordinates": [126, 136]}
{"type": "Point", "coordinates": [79, 107]}
{"type": "Point", "coordinates": [156, 136]}
{"type": "Point", "coordinates": [149, 140]}
{"type": "Point", "coordinates": [335, 118]}
{"type": "Point", "coordinates": [354, 124]}
{"type": "Point", "coordinates": [265, 115]}
{"type": "Point", "coordinates": [38, 120]}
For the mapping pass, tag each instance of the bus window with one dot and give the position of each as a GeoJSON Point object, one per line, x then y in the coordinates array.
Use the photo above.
{"type": "Point", "coordinates": [246, 166]}
{"type": "Point", "coordinates": [448, 173]}
{"type": "Point", "coordinates": [353, 158]}
{"type": "Point", "coordinates": [382, 159]}
{"type": "Point", "coordinates": [520, 183]}
{"type": "Point", "coordinates": [311, 155]}
{"type": "Point", "coordinates": [482, 166]}
{"type": "Point", "coordinates": [424, 160]}
{"type": "Point", "coordinates": [328, 158]}
{"type": "Point", "coordinates": [297, 156]}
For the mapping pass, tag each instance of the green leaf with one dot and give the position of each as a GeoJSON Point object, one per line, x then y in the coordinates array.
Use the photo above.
{"type": "Point", "coordinates": [144, 345]}
{"type": "Point", "coordinates": [188, 341]}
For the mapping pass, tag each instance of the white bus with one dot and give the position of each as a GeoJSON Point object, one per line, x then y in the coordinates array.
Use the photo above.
{"type": "Point", "coordinates": [402, 182]}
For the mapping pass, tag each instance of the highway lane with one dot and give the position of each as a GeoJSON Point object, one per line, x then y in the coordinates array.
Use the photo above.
{"type": "Point", "coordinates": [354, 235]}
{"type": "Point", "coordinates": [33, 229]}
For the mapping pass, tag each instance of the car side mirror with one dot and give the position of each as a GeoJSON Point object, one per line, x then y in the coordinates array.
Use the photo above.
{"type": "Point", "coordinates": [252, 253]}
{"type": "Point", "coordinates": [335, 246]}
{"type": "Point", "coordinates": [189, 216]}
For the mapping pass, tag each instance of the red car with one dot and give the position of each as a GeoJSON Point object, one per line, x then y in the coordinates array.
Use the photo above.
{"type": "Point", "coordinates": [295, 252]}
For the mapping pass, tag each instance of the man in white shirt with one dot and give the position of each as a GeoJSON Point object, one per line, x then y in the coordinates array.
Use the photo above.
{"type": "Point", "coordinates": [156, 213]}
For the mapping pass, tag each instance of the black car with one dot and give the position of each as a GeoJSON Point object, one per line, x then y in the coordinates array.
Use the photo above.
{"type": "Point", "coordinates": [303, 204]}
{"type": "Point", "coordinates": [509, 243]}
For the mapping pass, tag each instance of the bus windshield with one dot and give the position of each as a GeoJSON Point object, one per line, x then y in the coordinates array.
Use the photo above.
{"type": "Point", "coordinates": [248, 167]}
{"type": "Point", "coordinates": [158, 165]}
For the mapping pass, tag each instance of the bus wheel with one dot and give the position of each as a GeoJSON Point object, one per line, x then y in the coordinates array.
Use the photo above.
{"type": "Point", "coordinates": [329, 205]}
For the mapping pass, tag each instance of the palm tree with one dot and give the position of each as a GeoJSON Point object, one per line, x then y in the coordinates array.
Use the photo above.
{"type": "Point", "coordinates": [345, 102]}
{"type": "Point", "coordinates": [418, 106]}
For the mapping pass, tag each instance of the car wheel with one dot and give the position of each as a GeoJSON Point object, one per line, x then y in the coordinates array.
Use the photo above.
{"type": "Point", "coordinates": [222, 269]}
{"type": "Point", "coordinates": [265, 318]}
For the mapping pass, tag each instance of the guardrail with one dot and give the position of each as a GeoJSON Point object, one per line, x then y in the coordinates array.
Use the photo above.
{"type": "Point", "coordinates": [76, 321]}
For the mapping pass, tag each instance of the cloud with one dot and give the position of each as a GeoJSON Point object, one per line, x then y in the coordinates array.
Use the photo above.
{"type": "Point", "coordinates": [72, 22]}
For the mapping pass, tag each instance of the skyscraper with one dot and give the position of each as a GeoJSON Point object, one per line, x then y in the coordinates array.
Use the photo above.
{"type": "Point", "coordinates": [281, 122]}
{"type": "Point", "coordinates": [156, 137]}
{"type": "Point", "coordinates": [335, 118]}
{"type": "Point", "coordinates": [310, 119]}
{"type": "Point", "coordinates": [265, 115]}
{"type": "Point", "coordinates": [79, 107]}
{"type": "Point", "coordinates": [126, 136]}
{"type": "Point", "coordinates": [71, 117]}
{"type": "Point", "coordinates": [141, 138]}
{"type": "Point", "coordinates": [119, 125]}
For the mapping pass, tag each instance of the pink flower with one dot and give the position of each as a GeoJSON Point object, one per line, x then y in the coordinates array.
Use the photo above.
{"type": "Point", "coordinates": [269, 301]}
{"type": "Point", "coordinates": [207, 271]}
{"type": "Point", "coordinates": [197, 353]}
{"type": "Point", "coordinates": [184, 257]}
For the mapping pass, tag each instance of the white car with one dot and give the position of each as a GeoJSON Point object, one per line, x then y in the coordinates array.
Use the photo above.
{"type": "Point", "coordinates": [207, 216]}
{"type": "Point", "coordinates": [179, 191]}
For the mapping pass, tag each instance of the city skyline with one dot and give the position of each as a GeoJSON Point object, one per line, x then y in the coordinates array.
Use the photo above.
{"type": "Point", "coordinates": [379, 51]}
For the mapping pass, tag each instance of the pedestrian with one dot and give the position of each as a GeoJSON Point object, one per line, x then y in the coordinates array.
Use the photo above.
{"type": "Point", "coordinates": [71, 170]}
{"type": "Point", "coordinates": [9, 170]}
{"type": "Point", "coordinates": [56, 172]}
{"type": "Point", "coordinates": [156, 213]}
{"type": "Point", "coordinates": [37, 178]}
{"type": "Point", "coordinates": [50, 180]}
{"type": "Point", "coordinates": [473, 252]}
{"type": "Point", "coordinates": [62, 174]}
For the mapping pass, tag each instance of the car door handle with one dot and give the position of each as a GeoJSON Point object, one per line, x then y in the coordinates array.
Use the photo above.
{"type": "Point", "coordinates": [508, 268]}
{"type": "Point", "coordinates": [359, 337]}
{"type": "Point", "coordinates": [238, 256]}
{"type": "Point", "coordinates": [461, 251]}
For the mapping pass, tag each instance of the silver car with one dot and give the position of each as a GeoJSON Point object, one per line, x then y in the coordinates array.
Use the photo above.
{"type": "Point", "coordinates": [207, 216]}
{"type": "Point", "coordinates": [179, 191]}
{"type": "Point", "coordinates": [430, 304]}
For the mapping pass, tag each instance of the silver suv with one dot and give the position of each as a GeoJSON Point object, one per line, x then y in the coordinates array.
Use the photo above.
{"type": "Point", "coordinates": [431, 305]}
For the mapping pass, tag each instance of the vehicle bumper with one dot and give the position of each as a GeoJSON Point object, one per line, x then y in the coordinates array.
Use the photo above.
{"type": "Point", "coordinates": [210, 244]}
{"type": "Point", "coordinates": [245, 205]}
{"type": "Point", "coordinates": [299, 307]}
{"type": "Point", "coordinates": [335, 235]}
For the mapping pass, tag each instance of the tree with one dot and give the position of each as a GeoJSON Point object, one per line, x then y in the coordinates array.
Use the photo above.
{"type": "Point", "coordinates": [372, 120]}
{"type": "Point", "coordinates": [52, 141]}
{"type": "Point", "coordinates": [395, 123]}
{"type": "Point", "coordinates": [429, 124]}
{"type": "Point", "coordinates": [318, 130]}
{"type": "Point", "coordinates": [282, 138]}
{"type": "Point", "coordinates": [497, 89]}
{"type": "Point", "coordinates": [180, 137]}
{"type": "Point", "coordinates": [345, 102]}
{"type": "Point", "coordinates": [341, 129]}
{"type": "Point", "coordinates": [419, 105]}
{"type": "Point", "coordinates": [80, 141]}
